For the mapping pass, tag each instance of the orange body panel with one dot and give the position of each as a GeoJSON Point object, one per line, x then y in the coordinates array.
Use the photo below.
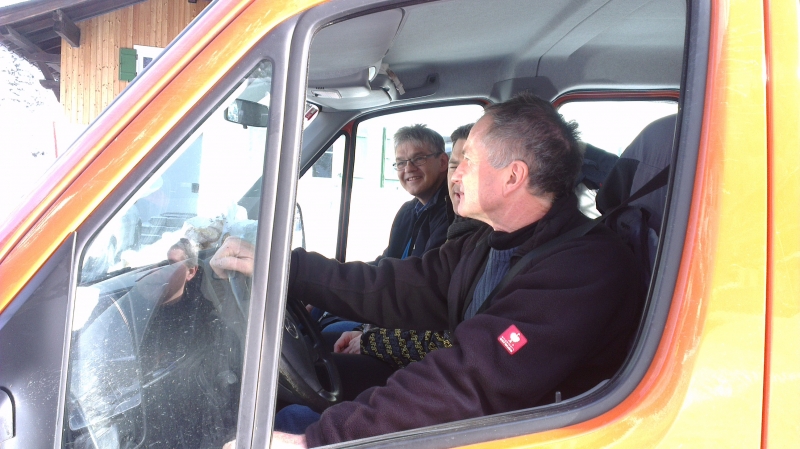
{"type": "Point", "coordinates": [782, 367]}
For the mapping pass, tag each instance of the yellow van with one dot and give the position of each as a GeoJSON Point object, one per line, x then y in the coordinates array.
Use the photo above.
{"type": "Point", "coordinates": [268, 120]}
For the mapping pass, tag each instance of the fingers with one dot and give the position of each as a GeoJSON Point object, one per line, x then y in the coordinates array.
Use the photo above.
{"type": "Point", "coordinates": [244, 266]}
{"type": "Point", "coordinates": [287, 440]}
{"type": "Point", "coordinates": [345, 341]}
{"type": "Point", "coordinates": [355, 345]}
{"type": "Point", "coordinates": [235, 254]}
{"type": "Point", "coordinates": [348, 343]}
{"type": "Point", "coordinates": [342, 343]}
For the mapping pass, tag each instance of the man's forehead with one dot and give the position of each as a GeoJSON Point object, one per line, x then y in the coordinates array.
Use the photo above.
{"type": "Point", "coordinates": [412, 148]}
{"type": "Point", "coordinates": [175, 255]}
{"type": "Point", "coordinates": [458, 150]}
{"type": "Point", "coordinates": [476, 135]}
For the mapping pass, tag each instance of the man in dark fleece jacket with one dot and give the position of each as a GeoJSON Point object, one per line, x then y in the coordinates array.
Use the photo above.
{"type": "Point", "coordinates": [421, 164]}
{"type": "Point", "coordinates": [562, 324]}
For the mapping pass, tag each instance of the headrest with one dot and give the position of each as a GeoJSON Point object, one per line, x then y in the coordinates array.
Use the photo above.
{"type": "Point", "coordinates": [642, 160]}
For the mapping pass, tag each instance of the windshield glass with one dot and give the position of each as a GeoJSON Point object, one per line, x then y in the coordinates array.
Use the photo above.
{"type": "Point", "coordinates": [157, 341]}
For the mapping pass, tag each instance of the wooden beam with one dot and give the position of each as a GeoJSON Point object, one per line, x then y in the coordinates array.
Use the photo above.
{"type": "Point", "coordinates": [47, 71]}
{"type": "Point", "coordinates": [66, 28]}
{"type": "Point", "coordinates": [29, 50]}
{"type": "Point", "coordinates": [19, 40]}
{"type": "Point", "coordinates": [54, 86]}
{"type": "Point", "coordinates": [48, 58]}
{"type": "Point", "coordinates": [28, 10]}
{"type": "Point", "coordinates": [34, 53]}
{"type": "Point", "coordinates": [50, 84]}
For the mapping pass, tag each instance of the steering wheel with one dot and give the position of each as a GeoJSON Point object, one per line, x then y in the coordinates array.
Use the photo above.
{"type": "Point", "coordinates": [307, 373]}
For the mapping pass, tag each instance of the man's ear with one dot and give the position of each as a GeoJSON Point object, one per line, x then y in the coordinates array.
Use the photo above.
{"type": "Point", "coordinates": [190, 273]}
{"type": "Point", "coordinates": [517, 176]}
{"type": "Point", "coordinates": [444, 161]}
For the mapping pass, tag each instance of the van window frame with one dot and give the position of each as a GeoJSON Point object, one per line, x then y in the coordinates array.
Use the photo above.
{"type": "Point", "coordinates": [684, 163]}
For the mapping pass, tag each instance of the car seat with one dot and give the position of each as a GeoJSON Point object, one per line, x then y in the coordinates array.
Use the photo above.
{"type": "Point", "coordinates": [647, 155]}
{"type": "Point", "coordinates": [644, 163]}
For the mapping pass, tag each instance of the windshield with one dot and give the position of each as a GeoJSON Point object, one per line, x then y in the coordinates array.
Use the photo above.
{"type": "Point", "coordinates": [156, 352]}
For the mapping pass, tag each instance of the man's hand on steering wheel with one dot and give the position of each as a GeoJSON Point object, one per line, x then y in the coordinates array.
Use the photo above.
{"type": "Point", "coordinates": [303, 353]}
{"type": "Point", "coordinates": [235, 254]}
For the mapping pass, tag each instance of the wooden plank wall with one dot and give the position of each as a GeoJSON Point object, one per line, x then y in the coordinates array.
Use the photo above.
{"type": "Point", "coordinates": [90, 73]}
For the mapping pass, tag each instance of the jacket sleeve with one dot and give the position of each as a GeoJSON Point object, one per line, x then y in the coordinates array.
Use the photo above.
{"type": "Point", "coordinates": [567, 316]}
{"type": "Point", "coordinates": [399, 347]}
{"type": "Point", "coordinates": [406, 294]}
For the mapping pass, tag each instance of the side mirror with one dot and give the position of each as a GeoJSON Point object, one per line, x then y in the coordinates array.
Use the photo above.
{"type": "Point", "coordinates": [247, 113]}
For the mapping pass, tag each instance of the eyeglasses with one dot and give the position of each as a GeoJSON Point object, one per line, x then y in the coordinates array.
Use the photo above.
{"type": "Point", "coordinates": [418, 161]}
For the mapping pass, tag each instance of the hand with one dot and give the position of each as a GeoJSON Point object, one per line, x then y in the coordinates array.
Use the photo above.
{"type": "Point", "coordinates": [279, 440]}
{"type": "Point", "coordinates": [288, 440]}
{"type": "Point", "coordinates": [235, 254]}
{"type": "Point", "coordinates": [348, 343]}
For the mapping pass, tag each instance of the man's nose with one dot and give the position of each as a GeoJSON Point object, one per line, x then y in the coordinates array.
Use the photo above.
{"type": "Point", "coordinates": [411, 167]}
{"type": "Point", "coordinates": [456, 177]}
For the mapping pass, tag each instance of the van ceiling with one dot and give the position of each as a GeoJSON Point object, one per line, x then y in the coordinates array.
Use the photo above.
{"type": "Point", "coordinates": [474, 44]}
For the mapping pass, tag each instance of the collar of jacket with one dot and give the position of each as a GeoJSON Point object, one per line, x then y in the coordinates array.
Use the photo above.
{"type": "Point", "coordinates": [562, 216]}
{"type": "Point", "coordinates": [437, 199]}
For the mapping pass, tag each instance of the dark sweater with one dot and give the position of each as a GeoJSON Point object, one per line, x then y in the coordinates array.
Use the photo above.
{"type": "Point", "coordinates": [577, 305]}
{"type": "Point", "coordinates": [426, 232]}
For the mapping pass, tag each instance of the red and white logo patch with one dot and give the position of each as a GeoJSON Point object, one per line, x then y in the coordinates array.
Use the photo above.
{"type": "Point", "coordinates": [512, 339]}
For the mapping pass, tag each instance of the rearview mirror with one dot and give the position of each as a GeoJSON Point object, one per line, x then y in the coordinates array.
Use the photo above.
{"type": "Point", "coordinates": [247, 113]}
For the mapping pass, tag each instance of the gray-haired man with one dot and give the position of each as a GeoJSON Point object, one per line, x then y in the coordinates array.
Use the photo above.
{"type": "Point", "coordinates": [421, 163]}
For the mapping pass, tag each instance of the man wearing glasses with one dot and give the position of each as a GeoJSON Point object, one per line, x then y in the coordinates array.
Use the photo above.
{"type": "Point", "coordinates": [421, 223]}
{"type": "Point", "coordinates": [421, 163]}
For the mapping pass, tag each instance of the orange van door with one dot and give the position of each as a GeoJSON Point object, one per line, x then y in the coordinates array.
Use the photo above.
{"type": "Point", "coordinates": [782, 364]}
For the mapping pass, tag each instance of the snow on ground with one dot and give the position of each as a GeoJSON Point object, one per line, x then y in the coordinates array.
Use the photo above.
{"type": "Point", "coordinates": [33, 130]}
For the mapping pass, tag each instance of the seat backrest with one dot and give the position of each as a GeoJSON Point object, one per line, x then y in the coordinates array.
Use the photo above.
{"type": "Point", "coordinates": [639, 223]}
{"type": "Point", "coordinates": [644, 158]}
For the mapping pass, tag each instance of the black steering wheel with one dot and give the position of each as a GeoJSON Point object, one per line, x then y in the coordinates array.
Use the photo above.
{"type": "Point", "coordinates": [307, 373]}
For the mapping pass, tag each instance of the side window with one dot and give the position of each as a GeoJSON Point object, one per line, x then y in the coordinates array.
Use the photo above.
{"type": "Point", "coordinates": [377, 192]}
{"type": "Point", "coordinates": [610, 126]}
{"type": "Point", "coordinates": [319, 194]}
{"type": "Point", "coordinates": [157, 341]}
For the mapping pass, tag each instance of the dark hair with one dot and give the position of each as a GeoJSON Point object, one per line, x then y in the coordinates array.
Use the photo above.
{"type": "Point", "coordinates": [529, 129]}
{"type": "Point", "coordinates": [188, 249]}
{"type": "Point", "coordinates": [419, 134]}
{"type": "Point", "coordinates": [462, 132]}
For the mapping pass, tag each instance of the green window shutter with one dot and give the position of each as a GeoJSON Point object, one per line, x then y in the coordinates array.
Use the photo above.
{"type": "Point", "coordinates": [127, 64]}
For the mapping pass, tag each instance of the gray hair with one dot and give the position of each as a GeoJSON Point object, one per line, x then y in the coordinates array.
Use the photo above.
{"type": "Point", "coordinates": [188, 249]}
{"type": "Point", "coordinates": [420, 134]}
{"type": "Point", "coordinates": [528, 129]}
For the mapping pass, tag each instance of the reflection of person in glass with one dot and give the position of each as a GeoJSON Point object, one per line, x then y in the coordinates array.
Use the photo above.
{"type": "Point", "coordinates": [191, 363]}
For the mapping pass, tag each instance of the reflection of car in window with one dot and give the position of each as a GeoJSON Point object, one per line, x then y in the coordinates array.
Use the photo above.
{"type": "Point", "coordinates": [147, 368]}
{"type": "Point", "coordinates": [157, 352]}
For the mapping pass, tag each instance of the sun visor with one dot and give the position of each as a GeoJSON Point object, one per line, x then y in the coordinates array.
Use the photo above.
{"type": "Point", "coordinates": [341, 85]}
{"type": "Point", "coordinates": [345, 58]}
